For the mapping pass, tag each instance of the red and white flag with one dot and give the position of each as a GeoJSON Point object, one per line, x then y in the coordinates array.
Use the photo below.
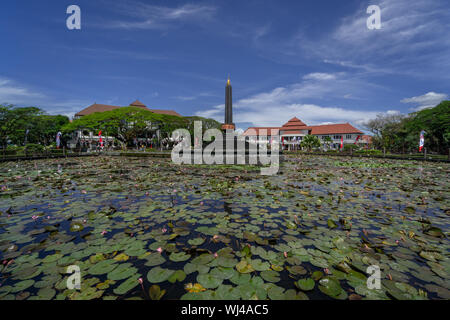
{"type": "Point", "coordinates": [342, 142]}
{"type": "Point", "coordinates": [357, 138]}
{"type": "Point", "coordinates": [100, 139]}
{"type": "Point", "coordinates": [421, 140]}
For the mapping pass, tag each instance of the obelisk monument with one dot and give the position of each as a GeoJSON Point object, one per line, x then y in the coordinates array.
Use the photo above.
{"type": "Point", "coordinates": [228, 125]}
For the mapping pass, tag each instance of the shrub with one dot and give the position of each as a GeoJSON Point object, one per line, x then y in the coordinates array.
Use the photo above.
{"type": "Point", "coordinates": [32, 148]}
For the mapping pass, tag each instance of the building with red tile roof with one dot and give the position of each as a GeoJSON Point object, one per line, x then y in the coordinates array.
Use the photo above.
{"type": "Point", "coordinates": [293, 131]}
{"type": "Point", "coordinates": [104, 107]}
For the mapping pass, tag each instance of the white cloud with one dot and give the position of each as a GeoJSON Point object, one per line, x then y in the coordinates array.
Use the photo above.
{"type": "Point", "coordinates": [10, 92]}
{"type": "Point", "coordinates": [159, 17]}
{"type": "Point", "coordinates": [16, 94]}
{"type": "Point", "coordinates": [319, 76]}
{"type": "Point", "coordinates": [412, 40]}
{"type": "Point", "coordinates": [277, 106]}
{"type": "Point", "coordinates": [428, 100]}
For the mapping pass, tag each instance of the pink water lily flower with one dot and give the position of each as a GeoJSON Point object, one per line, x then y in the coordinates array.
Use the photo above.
{"type": "Point", "coordinates": [164, 230]}
{"type": "Point", "coordinates": [34, 217]}
{"type": "Point", "coordinates": [159, 250]}
{"type": "Point", "coordinates": [104, 232]}
{"type": "Point", "coordinates": [140, 280]}
{"type": "Point", "coordinates": [215, 255]}
{"type": "Point", "coordinates": [285, 254]}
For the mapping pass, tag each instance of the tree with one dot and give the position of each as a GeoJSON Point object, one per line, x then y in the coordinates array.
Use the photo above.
{"type": "Point", "coordinates": [127, 123]}
{"type": "Point", "coordinates": [400, 133]}
{"type": "Point", "coordinates": [436, 123]}
{"type": "Point", "coordinates": [310, 142]}
{"type": "Point", "coordinates": [28, 125]}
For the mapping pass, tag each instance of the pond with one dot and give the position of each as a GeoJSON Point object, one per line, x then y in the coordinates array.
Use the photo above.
{"type": "Point", "coordinates": [145, 228]}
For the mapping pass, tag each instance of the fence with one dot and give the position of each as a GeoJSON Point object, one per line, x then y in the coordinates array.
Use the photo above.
{"type": "Point", "coordinates": [418, 156]}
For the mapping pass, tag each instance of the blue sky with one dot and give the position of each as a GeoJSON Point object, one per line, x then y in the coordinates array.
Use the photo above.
{"type": "Point", "coordinates": [316, 60]}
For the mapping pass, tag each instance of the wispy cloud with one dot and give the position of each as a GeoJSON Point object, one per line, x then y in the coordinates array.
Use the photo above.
{"type": "Point", "coordinates": [20, 95]}
{"type": "Point", "coordinates": [428, 100]}
{"type": "Point", "coordinates": [319, 76]}
{"type": "Point", "coordinates": [413, 40]}
{"type": "Point", "coordinates": [194, 97]}
{"type": "Point", "coordinates": [146, 16]}
{"type": "Point", "coordinates": [275, 107]}
{"type": "Point", "coordinates": [11, 92]}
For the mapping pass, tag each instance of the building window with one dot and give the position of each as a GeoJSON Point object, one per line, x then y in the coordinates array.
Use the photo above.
{"type": "Point", "coordinates": [348, 137]}
{"type": "Point", "coordinates": [337, 137]}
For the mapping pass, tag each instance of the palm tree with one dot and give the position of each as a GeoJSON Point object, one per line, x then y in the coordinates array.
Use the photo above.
{"type": "Point", "coordinates": [310, 142]}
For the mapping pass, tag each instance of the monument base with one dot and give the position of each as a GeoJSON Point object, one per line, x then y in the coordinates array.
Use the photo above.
{"type": "Point", "coordinates": [228, 127]}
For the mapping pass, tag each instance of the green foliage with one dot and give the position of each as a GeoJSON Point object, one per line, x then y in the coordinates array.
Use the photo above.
{"type": "Point", "coordinates": [32, 148]}
{"type": "Point", "coordinates": [400, 134]}
{"type": "Point", "coordinates": [310, 142]}
{"type": "Point", "coordinates": [436, 123]}
{"type": "Point", "coordinates": [129, 122]}
{"type": "Point", "coordinates": [15, 122]}
{"type": "Point", "coordinates": [348, 147]}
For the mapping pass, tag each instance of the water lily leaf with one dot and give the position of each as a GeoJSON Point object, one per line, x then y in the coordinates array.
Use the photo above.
{"type": "Point", "coordinates": [270, 276]}
{"type": "Point", "coordinates": [296, 270]}
{"type": "Point", "coordinates": [239, 278]}
{"type": "Point", "coordinates": [244, 267]}
{"type": "Point", "coordinates": [22, 285]}
{"type": "Point", "coordinates": [330, 287]}
{"type": "Point", "coordinates": [196, 241]}
{"type": "Point", "coordinates": [208, 281]}
{"type": "Point", "coordinates": [178, 275]}
{"type": "Point", "coordinates": [121, 257]}
{"type": "Point", "coordinates": [203, 259]}
{"type": "Point", "coordinates": [259, 265]}
{"type": "Point", "coordinates": [123, 271]}
{"type": "Point", "coordinates": [226, 262]}
{"type": "Point", "coordinates": [306, 284]}
{"type": "Point", "coordinates": [46, 293]}
{"type": "Point", "coordinates": [227, 292]}
{"type": "Point", "coordinates": [276, 293]}
{"type": "Point", "coordinates": [155, 292]}
{"type": "Point", "coordinates": [179, 256]}
{"type": "Point", "coordinates": [154, 259]}
{"type": "Point", "coordinates": [127, 285]}
{"type": "Point", "coordinates": [102, 267]}
{"type": "Point", "coordinates": [157, 275]}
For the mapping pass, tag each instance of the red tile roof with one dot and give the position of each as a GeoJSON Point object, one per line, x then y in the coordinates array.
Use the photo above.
{"type": "Point", "coordinates": [168, 112]}
{"type": "Point", "coordinates": [268, 131]}
{"type": "Point", "coordinates": [343, 128]}
{"type": "Point", "coordinates": [139, 104]}
{"type": "Point", "coordinates": [293, 124]}
{"type": "Point", "coordinates": [366, 139]}
{"type": "Point", "coordinates": [296, 126]}
{"type": "Point", "coordinates": [95, 108]}
{"type": "Point", "coordinates": [104, 107]}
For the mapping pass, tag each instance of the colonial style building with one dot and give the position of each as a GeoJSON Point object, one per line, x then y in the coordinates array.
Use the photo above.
{"type": "Point", "coordinates": [92, 139]}
{"type": "Point", "coordinates": [292, 133]}
{"type": "Point", "coordinates": [104, 107]}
